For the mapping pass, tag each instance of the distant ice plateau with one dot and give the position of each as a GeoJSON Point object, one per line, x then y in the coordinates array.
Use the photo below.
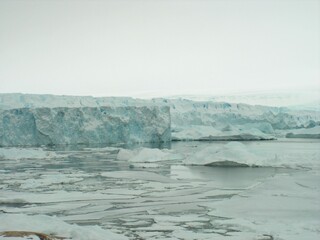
{"type": "Point", "coordinates": [30, 119]}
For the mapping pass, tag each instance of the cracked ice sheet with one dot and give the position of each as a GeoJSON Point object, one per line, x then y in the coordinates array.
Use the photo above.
{"type": "Point", "coordinates": [138, 175]}
{"type": "Point", "coordinates": [164, 195]}
{"type": "Point", "coordinates": [53, 225]}
{"type": "Point", "coordinates": [285, 207]}
{"type": "Point", "coordinates": [56, 196]}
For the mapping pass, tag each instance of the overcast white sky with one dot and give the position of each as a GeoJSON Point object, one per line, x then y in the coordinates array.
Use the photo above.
{"type": "Point", "coordinates": [133, 47]}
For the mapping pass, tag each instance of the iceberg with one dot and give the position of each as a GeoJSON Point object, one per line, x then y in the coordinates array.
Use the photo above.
{"type": "Point", "coordinates": [209, 133]}
{"type": "Point", "coordinates": [232, 154]}
{"type": "Point", "coordinates": [304, 133]}
{"type": "Point", "coordinates": [279, 154]}
{"type": "Point", "coordinates": [148, 155]}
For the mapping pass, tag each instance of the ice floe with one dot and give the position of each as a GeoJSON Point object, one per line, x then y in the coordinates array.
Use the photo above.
{"type": "Point", "coordinates": [26, 153]}
{"type": "Point", "coordinates": [148, 157]}
{"type": "Point", "coordinates": [273, 209]}
{"type": "Point", "coordinates": [233, 154]}
{"type": "Point", "coordinates": [55, 226]}
{"type": "Point", "coordinates": [236, 154]}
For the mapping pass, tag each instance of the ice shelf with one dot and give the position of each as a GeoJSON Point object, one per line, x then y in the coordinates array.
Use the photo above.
{"type": "Point", "coordinates": [85, 125]}
{"type": "Point", "coordinates": [35, 119]}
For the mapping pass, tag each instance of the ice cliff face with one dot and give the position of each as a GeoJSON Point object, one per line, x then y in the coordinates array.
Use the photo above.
{"type": "Point", "coordinates": [222, 115]}
{"type": "Point", "coordinates": [48, 119]}
{"type": "Point", "coordinates": [45, 126]}
{"type": "Point", "coordinates": [183, 112]}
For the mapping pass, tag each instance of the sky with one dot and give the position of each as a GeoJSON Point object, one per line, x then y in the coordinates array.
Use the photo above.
{"type": "Point", "coordinates": [161, 47]}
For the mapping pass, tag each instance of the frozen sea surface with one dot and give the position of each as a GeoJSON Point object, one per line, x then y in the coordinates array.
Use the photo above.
{"type": "Point", "coordinates": [135, 192]}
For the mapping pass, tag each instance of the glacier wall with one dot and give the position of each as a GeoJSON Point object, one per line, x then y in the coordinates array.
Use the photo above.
{"type": "Point", "coordinates": [52, 119]}
{"type": "Point", "coordinates": [186, 113]}
{"type": "Point", "coordinates": [63, 125]}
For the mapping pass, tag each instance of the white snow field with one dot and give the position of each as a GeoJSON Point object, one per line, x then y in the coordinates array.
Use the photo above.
{"type": "Point", "coordinates": [195, 190]}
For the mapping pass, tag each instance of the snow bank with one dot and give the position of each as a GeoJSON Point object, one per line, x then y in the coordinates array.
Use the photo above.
{"type": "Point", "coordinates": [55, 226]}
{"type": "Point", "coordinates": [45, 126]}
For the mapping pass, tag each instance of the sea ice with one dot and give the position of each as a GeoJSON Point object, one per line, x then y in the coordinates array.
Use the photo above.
{"type": "Point", "coordinates": [274, 209]}
{"type": "Point", "coordinates": [138, 175]}
{"type": "Point", "coordinates": [26, 153]}
{"type": "Point", "coordinates": [53, 225]}
{"type": "Point", "coordinates": [146, 155]}
{"type": "Point", "coordinates": [271, 154]}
